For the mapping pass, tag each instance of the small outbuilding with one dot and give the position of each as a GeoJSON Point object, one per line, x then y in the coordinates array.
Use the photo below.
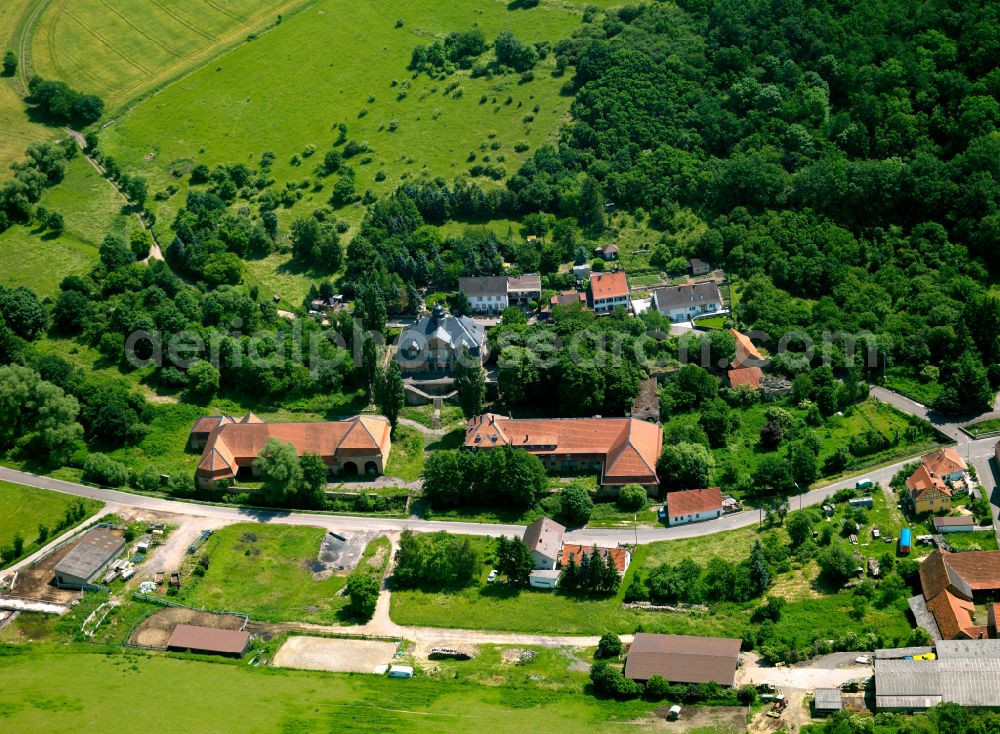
{"type": "Point", "coordinates": [960, 524]}
{"type": "Point", "coordinates": [544, 579]}
{"type": "Point", "coordinates": [95, 550]}
{"type": "Point", "coordinates": [208, 640]}
{"type": "Point", "coordinates": [865, 502]}
{"type": "Point", "coordinates": [827, 701]}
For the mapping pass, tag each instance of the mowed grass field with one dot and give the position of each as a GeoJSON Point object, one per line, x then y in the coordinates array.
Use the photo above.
{"type": "Point", "coordinates": [91, 209]}
{"type": "Point", "coordinates": [74, 691]}
{"type": "Point", "coordinates": [17, 132]}
{"type": "Point", "coordinates": [263, 571]}
{"type": "Point", "coordinates": [23, 509]}
{"type": "Point", "coordinates": [337, 61]}
{"type": "Point", "coordinates": [118, 49]}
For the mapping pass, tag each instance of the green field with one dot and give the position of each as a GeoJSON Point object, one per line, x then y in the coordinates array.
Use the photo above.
{"type": "Point", "coordinates": [17, 132]}
{"type": "Point", "coordinates": [67, 691]}
{"type": "Point", "coordinates": [91, 209]}
{"type": "Point", "coordinates": [286, 89]}
{"type": "Point", "coordinates": [262, 570]}
{"type": "Point", "coordinates": [23, 509]}
{"type": "Point", "coordinates": [811, 613]}
{"type": "Point", "coordinates": [118, 49]}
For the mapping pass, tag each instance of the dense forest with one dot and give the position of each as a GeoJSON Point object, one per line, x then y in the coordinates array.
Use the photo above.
{"type": "Point", "coordinates": [844, 156]}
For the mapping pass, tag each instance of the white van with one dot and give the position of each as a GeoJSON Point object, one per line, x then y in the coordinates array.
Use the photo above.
{"type": "Point", "coordinates": [400, 671]}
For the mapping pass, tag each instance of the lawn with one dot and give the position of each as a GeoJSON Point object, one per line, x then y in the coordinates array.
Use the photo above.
{"type": "Point", "coordinates": [406, 459]}
{"type": "Point", "coordinates": [906, 381]}
{"type": "Point", "coordinates": [984, 427]}
{"type": "Point", "coordinates": [286, 90]}
{"type": "Point", "coordinates": [23, 509]}
{"type": "Point", "coordinates": [264, 571]}
{"type": "Point", "coordinates": [91, 209]}
{"type": "Point", "coordinates": [91, 684]}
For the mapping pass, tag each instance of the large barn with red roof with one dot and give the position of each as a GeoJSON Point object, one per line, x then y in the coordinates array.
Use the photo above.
{"type": "Point", "coordinates": [357, 445]}
{"type": "Point", "coordinates": [622, 450]}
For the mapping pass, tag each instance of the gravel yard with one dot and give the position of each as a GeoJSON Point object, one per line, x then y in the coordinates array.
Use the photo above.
{"type": "Point", "coordinates": [334, 655]}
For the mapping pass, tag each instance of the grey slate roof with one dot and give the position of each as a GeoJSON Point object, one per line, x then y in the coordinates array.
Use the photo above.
{"type": "Point", "coordinates": [529, 282]}
{"type": "Point", "coordinates": [968, 649]}
{"type": "Point", "coordinates": [923, 616]}
{"type": "Point", "coordinates": [456, 331]}
{"type": "Point", "coordinates": [684, 296]}
{"type": "Point", "coordinates": [90, 554]}
{"type": "Point", "coordinates": [828, 699]}
{"type": "Point", "coordinates": [490, 285]}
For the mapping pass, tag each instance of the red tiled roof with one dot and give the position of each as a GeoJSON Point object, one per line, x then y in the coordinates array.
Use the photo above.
{"type": "Point", "coordinates": [619, 556]}
{"type": "Point", "coordinates": [205, 424]}
{"type": "Point", "coordinates": [948, 581]}
{"type": "Point", "coordinates": [745, 376]}
{"type": "Point", "coordinates": [693, 501]}
{"type": "Point", "coordinates": [233, 445]}
{"type": "Point", "coordinates": [608, 285]}
{"type": "Point", "coordinates": [629, 446]}
{"type": "Point", "coordinates": [922, 482]}
{"type": "Point", "coordinates": [944, 462]}
{"type": "Point", "coordinates": [745, 350]}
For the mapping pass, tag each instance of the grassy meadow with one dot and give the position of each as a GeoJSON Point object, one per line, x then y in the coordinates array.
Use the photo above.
{"type": "Point", "coordinates": [119, 49]}
{"type": "Point", "coordinates": [23, 509]}
{"type": "Point", "coordinates": [263, 571]}
{"type": "Point", "coordinates": [91, 209]}
{"type": "Point", "coordinates": [288, 88]}
{"type": "Point", "coordinates": [74, 690]}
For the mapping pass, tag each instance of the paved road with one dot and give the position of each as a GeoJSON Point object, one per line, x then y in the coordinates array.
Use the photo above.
{"type": "Point", "coordinates": [978, 452]}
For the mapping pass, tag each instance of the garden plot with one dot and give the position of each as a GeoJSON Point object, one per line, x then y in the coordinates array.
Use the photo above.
{"type": "Point", "coordinates": [334, 655]}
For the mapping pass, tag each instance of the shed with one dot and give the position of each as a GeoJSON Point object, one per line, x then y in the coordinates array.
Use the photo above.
{"type": "Point", "coordinates": [866, 502]}
{"type": "Point", "coordinates": [98, 547]}
{"type": "Point", "coordinates": [189, 637]}
{"type": "Point", "coordinates": [544, 579]}
{"type": "Point", "coordinates": [827, 701]}
{"type": "Point", "coordinates": [683, 658]}
{"type": "Point", "coordinates": [960, 524]}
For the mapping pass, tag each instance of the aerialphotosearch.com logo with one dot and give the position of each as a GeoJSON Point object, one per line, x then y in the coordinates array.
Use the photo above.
{"type": "Point", "coordinates": [420, 351]}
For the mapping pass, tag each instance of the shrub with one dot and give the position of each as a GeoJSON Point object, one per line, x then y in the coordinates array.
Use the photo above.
{"type": "Point", "coordinates": [575, 505]}
{"type": "Point", "coordinates": [610, 646]}
{"type": "Point", "coordinates": [631, 498]}
{"type": "Point", "coordinates": [148, 479]}
{"type": "Point", "coordinates": [101, 469]}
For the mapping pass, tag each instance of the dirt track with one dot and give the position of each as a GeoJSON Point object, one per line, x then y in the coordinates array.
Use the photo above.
{"type": "Point", "coordinates": [334, 655]}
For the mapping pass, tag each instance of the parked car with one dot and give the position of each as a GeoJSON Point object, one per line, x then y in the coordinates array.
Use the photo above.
{"type": "Point", "coordinates": [863, 659]}
{"type": "Point", "coordinates": [864, 484]}
{"type": "Point", "coordinates": [492, 577]}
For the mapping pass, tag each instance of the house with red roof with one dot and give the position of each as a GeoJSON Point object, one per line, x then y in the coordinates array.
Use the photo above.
{"type": "Point", "coordinates": [693, 505]}
{"type": "Point", "coordinates": [620, 450]}
{"type": "Point", "coordinates": [352, 446]}
{"type": "Point", "coordinates": [952, 583]}
{"type": "Point", "coordinates": [930, 487]}
{"type": "Point", "coordinates": [608, 291]}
